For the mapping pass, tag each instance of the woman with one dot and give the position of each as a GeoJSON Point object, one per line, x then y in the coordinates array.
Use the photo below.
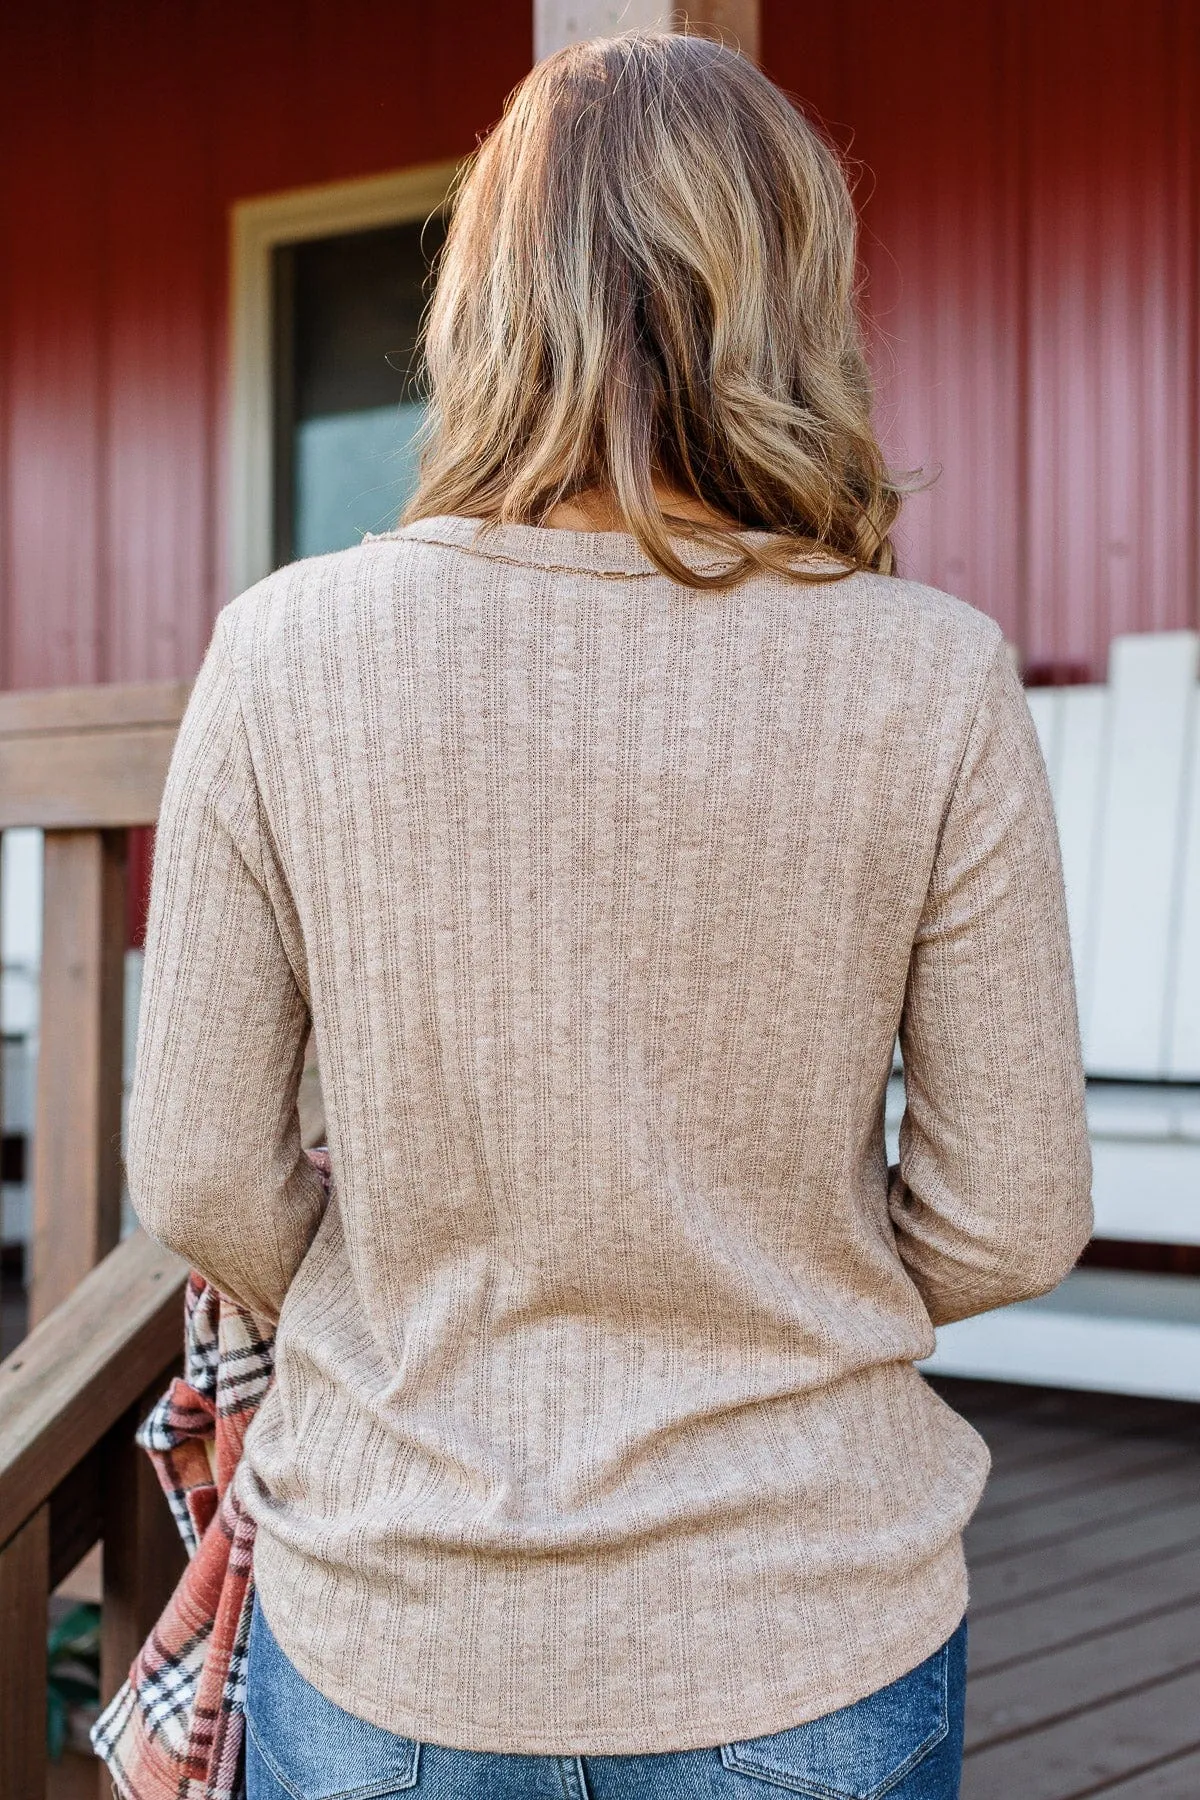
{"type": "Point", "coordinates": [607, 821]}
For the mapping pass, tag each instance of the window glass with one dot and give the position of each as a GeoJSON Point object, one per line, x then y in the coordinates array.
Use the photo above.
{"type": "Point", "coordinates": [347, 383]}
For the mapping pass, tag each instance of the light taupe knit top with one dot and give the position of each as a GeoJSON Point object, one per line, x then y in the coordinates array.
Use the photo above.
{"type": "Point", "coordinates": [595, 1425]}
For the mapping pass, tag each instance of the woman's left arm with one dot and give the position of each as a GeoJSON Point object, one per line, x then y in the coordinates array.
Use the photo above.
{"type": "Point", "coordinates": [215, 1164]}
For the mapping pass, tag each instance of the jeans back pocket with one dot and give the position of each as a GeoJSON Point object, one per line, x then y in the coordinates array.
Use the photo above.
{"type": "Point", "coordinates": [859, 1752]}
{"type": "Point", "coordinates": [314, 1748]}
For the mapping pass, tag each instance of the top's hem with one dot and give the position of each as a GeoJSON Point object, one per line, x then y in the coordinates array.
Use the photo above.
{"type": "Point", "coordinates": [453, 1730]}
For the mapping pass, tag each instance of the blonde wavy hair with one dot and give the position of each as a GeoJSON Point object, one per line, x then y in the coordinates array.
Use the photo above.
{"type": "Point", "coordinates": [649, 279]}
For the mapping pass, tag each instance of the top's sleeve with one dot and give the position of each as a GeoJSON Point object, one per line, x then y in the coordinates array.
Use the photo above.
{"type": "Point", "coordinates": [214, 1159]}
{"type": "Point", "coordinates": [991, 1201]}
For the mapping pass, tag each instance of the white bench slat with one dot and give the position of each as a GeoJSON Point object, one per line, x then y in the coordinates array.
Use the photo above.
{"type": "Point", "coordinates": [1184, 1054]}
{"type": "Point", "coordinates": [1144, 1109]}
{"type": "Point", "coordinates": [1046, 706]}
{"type": "Point", "coordinates": [1105, 1329]}
{"type": "Point", "coordinates": [1083, 754]}
{"type": "Point", "coordinates": [1125, 1013]}
{"type": "Point", "coordinates": [1147, 1191]}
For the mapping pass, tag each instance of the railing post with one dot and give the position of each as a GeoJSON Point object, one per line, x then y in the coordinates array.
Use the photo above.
{"type": "Point", "coordinates": [24, 1587]}
{"type": "Point", "coordinates": [77, 1128]}
{"type": "Point", "coordinates": [144, 1554]}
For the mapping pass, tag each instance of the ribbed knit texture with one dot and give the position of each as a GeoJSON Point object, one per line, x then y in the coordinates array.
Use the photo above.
{"type": "Point", "coordinates": [595, 1425]}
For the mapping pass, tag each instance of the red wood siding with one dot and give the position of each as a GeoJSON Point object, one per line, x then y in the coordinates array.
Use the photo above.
{"type": "Point", "coordinates": [1030, 202]}
{"type": "Point", "coordinates": [126, 132]}
{"type": "Point", "coordinates": [1030, 207]}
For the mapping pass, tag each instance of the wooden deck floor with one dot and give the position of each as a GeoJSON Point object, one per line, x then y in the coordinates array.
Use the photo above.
{"type": "Point", "coordinates": [1085, 1599]}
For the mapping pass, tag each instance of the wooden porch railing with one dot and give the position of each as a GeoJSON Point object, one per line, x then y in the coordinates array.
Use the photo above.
{"type": "Point", "coordinates": [85, 765]}
{"type": "Point", "coordinates": [71, 1397]}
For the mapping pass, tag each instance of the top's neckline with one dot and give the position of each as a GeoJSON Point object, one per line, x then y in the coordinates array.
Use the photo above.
{"type": "Point", "coordinates": [601, 553]}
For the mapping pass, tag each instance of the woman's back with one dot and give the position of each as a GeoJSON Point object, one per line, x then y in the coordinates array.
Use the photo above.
{"type": "Point", "coordinates": [595, 1422]}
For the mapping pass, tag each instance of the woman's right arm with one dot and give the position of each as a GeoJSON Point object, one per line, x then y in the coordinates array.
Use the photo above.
{"type": "Point", "coordinates": [991, 1201]}
{"type": "Point", "coordinates": [215, 1163]}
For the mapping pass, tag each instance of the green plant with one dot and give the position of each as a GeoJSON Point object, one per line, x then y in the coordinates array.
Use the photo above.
{"type": "Point", "coordinates": [73, 1655]}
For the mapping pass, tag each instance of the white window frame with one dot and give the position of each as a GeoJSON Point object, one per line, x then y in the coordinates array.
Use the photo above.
{"type": "Point", "coordinates": [256, 227]}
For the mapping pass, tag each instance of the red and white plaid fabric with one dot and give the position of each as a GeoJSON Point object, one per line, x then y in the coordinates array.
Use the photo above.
{"type": "Point", "coordinates": [174, 1730]}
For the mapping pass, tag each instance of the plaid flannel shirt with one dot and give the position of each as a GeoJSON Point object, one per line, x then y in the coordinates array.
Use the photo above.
{"type": "Point", "coordinates": [175, 1729]}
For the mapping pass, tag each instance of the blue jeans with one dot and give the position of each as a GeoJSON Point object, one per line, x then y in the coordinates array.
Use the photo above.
{"type": "Point", "coordinates": [905, 1741]}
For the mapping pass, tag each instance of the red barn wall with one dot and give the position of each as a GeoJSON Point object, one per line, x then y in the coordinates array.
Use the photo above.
{"type": "Point", "coordinates": [1029, 196]}
{"type": "Point", "coordinates": [1029, 193]}
{"type": "Point", "coordinates": [127, 129]}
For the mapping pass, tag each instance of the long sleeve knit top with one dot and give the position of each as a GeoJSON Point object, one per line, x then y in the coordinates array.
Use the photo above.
{"type": "Point", "coordinates": [595, 1425]}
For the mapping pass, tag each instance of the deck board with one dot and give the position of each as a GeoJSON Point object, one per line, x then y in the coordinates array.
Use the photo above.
{"type": "Point", "coordinates": [1085, 1598]}
{"type": "Point", "coordinates": [1045, 1621]}
{"type": "Point", "coordinates": [1176, 1779]}
{"type": "Point", "coordinates": [1094, 1551]}
{"type": "Point", "coordinates": [1048, 1522]}
{"type": "Point", "coordinates": [1108, 1464]}
{"type": "Point", "coordinates": [1076, 1676]}
{"type": "Point", "coordinates": [1093, 1748]}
